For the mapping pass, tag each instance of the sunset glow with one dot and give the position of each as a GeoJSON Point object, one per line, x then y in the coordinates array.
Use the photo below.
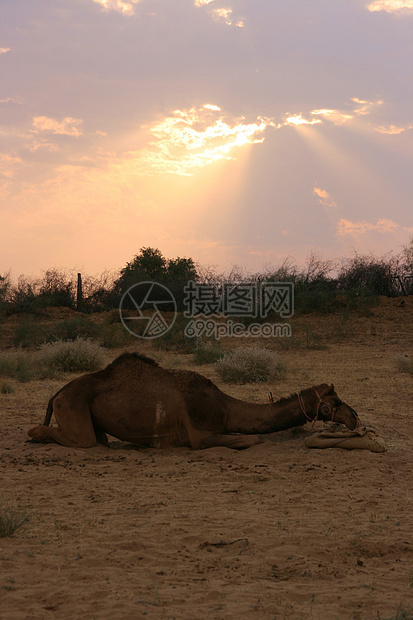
{"type": "Point", "coordinates": [237, 133]}
{"type": "Point", "coordinates": [195, 138]}
{"type": "Point", "coordinates": [299, 120]}
{"type": "Point", "coordinates": [391, 6]}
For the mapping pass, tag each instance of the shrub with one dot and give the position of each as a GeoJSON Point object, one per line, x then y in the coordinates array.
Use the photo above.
{"type": "Point", "coordinates": [29, 333]}
{"type": "Point", "coordinates": [405, 364]}
{"type": "Point", "coordinates": [82, 355]}
{"type": "Point", "coordinates": [11, 521]}
{"type": "Point", "coordinates": [76, 327]}
{"type": "Point", "coordinates": [403, 613]}
{"type": "Point", "coordinates": [18, 365]}
{"type": "Point", "coordinates": [207, 352]}
{"type": "Point", "coordinates": [5, 286]}
{"type": "Point", "coordinates": [175, 339]}
{"type": "Point", "coordinates": [6, 388]}
{"type": "Point", "coordinates": [248, 365]}
{"type": "Point", "coordinates": [113, 336]}
{"type": "Point", "coordinates": [56, 289]}
{"type": "Point", "coordinates": [368, 275]}
{"type": "Point", "coordinates": [78, 356]}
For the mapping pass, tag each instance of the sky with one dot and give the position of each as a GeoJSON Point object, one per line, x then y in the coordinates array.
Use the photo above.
{"type": "Point", "coordinates": [234, 132]}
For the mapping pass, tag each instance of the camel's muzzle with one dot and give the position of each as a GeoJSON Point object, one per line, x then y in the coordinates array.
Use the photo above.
{"type": "Point", "coordinates": [348, 416]}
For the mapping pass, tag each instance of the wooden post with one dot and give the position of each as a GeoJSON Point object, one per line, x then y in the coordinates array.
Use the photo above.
{"type": "Point", "coordinates": [79, 296]}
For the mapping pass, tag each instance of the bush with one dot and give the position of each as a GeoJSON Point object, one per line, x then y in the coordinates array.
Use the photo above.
{"type": "Point", "coordinates": [5, 286]}
{"type": "Point", "coordinates": [56, 289]}
{"type": "Point", "coordinates": [6, 388]}
{"type": "Point", "coordinates": [11, 521]}
{"type": "Point", "coordinates": [18, 365]}
{"type": "Point", "coordinates": [52, 358]}
{"type": "Point", "coordinates": [248, 365]}
{"type": "Point", "coordinates": [368, 275]}
{"type": "Point", "coordinates": [76, 327]}
{"type": "Point", "coordinates": [175, 339]}
{"type": "Point", "coordinates": [113, 336]}
{"type": "Point", "coordinates": [403, 613]}
{"type": "Point", "coordinates": [405, 364]}
{"type": "Point", "coordinates": [29, 333]}
{"type": "Point", "coordinates": [207, 352]}
{"type": "Point", "coordinates": [79, 356]}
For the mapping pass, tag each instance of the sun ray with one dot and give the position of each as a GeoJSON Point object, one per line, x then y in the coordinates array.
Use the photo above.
{"type": "Point", "coordinates": [190, 139]}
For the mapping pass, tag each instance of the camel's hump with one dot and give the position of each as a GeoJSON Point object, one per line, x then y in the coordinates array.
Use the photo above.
{"type": "Point", "coordinates": [132, 357]}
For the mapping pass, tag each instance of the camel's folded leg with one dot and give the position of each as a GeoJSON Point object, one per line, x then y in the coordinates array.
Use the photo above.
{"type": "Point", "coordinates": [101, 436]}
{"type": "Point", "coordinates": [75, 427]}
{"type": "Point", "coordinates": [237, 442]}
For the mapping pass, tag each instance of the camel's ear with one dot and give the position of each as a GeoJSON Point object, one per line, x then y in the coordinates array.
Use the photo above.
{"type": "Point", "coordinates": [331, 388]}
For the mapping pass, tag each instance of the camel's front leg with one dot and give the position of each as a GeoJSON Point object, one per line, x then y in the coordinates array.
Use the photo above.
{"type": "Point", "coordinates": [236, 442]}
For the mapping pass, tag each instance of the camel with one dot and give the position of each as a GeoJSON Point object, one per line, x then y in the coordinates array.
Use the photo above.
{"type": "Point", "coordinates": [136, 400]}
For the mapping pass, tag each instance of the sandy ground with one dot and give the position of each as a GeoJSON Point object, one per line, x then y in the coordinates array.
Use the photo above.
{"type": "Point", "coordinates": [276, 531]}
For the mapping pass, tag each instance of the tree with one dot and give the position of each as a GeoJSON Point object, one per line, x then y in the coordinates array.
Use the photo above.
{"type": "Point", "coordinates": [149, 264]}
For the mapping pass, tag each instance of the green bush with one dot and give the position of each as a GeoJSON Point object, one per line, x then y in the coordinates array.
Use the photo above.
{"type": "Point", "coordinates": [248, 365]}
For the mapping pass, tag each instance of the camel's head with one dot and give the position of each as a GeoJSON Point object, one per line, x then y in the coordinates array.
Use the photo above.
{"type": "Point", "coordinates": [332, 408]}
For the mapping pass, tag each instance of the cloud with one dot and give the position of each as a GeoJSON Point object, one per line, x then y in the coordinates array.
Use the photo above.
{"type": "Point", "coordinates": [335, 116]}
{"type": "Point", "coordinates": [391, 6]}
{"type": "Point", "coordinates": [190, 139]}
{"type": "Point", "coordinates": [127, 7]}
{"type": "Point", "coordinates": [365, 107]}
{"type": "Point", "coordinates": [383, 226]}
{"type": "Point", "coordinates": [298, 119]}
{"type": "Point", "coordinates": [68, 126]}
{"type": "Point", "coordinates": [324, 197]}
{"type": "Point", "coordinates": [393, 130]}
{"type": "Point", "coordinates": [10, 100]}
{"type": "Point", "coordinates": [220, 14]}
{"type": "Point", "coordinates": [338, 117]}
{"type": "Point", "coordinates": [7, 162]}
{"type": "Point", "coordinates": [4, 50]}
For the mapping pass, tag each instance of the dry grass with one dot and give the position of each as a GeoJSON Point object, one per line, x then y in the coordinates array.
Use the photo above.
{"type": "Point", "coordinates": [11, 520]}
{"type": "Point", "coordinates": [77, 356]}
{"type": "Point", "coordinates": [51, 359]}
{"type": "Point", "coordinates": [248, 365]}
{"type": "Point", "coordinates": [405, 364]}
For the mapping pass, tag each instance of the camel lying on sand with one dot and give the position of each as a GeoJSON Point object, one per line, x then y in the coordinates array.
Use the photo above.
{"type": "Point", "coordinates": [137, 401]}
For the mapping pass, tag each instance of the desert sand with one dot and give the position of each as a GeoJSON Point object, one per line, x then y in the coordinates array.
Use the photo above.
{"type": "Point", "coordinates": [275, 531]}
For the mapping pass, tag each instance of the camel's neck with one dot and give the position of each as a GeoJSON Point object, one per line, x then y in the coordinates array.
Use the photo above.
{"type": "Point", "coordinates": [245, 417]}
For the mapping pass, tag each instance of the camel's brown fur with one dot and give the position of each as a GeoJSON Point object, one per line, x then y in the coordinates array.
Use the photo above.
{"type": "Point", "coordinates": [137, 401]}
